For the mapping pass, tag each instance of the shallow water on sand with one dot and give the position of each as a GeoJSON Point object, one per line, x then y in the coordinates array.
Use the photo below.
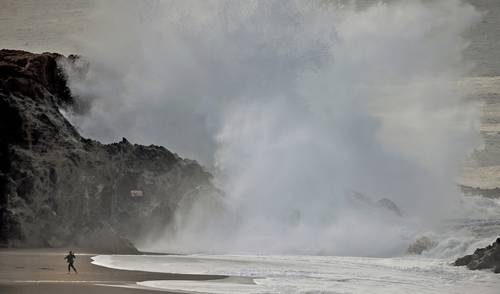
{"type": "Point", "coordinates": [310, 274]}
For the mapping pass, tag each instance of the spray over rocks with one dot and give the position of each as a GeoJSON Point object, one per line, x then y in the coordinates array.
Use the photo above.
{"type": "Point", "coordinates": [290, 104]}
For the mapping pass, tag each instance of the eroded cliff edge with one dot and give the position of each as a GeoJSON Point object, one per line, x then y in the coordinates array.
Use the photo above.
{"type": "Point", "coordinates": [58, 188]}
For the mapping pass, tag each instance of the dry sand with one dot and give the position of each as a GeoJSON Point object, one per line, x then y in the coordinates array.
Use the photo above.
{"type": "Point", "coordinates": [45, 271]}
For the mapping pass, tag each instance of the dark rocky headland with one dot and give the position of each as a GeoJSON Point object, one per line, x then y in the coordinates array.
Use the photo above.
{"type": "Point", "coordinates": [60, 189]}
{"type": "Point", "coordinates": [483, 258]}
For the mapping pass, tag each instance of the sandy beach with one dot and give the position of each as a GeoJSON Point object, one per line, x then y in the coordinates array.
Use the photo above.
{"type": "Point", "coordinates": [45, 271]}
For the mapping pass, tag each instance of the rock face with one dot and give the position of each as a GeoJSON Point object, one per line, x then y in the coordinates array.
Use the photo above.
{"type": "Point", "coordinates": [483, 258]}
{"type": "Point", "coordinates": [58, 188]}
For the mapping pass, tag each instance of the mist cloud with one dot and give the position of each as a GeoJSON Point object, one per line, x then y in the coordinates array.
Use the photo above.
{"type": "Point", "coordinates": [295, 105]}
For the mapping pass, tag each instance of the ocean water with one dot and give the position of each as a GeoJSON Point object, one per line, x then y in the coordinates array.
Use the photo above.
{"type": "Point", "coordinates": [308, 274]}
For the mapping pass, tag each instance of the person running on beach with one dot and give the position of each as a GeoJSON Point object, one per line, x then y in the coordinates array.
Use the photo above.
{"type": "Point", "coordinates": [70, 258]}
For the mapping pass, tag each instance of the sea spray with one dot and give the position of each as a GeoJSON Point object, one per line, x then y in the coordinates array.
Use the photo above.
{"type": "Point", "coordinates": [295, 106]}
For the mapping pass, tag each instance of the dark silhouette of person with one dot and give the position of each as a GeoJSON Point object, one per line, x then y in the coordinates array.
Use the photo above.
{"type": "Point", "coordinates": [70, 258]}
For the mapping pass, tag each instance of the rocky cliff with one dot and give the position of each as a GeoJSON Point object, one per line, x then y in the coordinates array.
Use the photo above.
{"type": "Point", "coordinates": [58, 188]}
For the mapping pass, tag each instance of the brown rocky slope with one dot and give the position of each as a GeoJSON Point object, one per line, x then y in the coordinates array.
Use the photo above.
{"type": "Point", "coordinates": [60, 189]}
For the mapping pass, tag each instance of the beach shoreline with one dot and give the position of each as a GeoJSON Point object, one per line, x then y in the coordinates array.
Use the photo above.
{"type": "Point", "coordinates": [44, 271]}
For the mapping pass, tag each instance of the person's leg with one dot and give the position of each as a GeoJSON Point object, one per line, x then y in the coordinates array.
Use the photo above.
{"type": "Point", "coordinates": [73, 268]}
{"type": "Point", "coordinates": [69, 269]}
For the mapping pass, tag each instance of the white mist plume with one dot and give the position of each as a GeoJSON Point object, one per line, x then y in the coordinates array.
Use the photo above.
{"type": "Point", "coordinates": [296, 104]}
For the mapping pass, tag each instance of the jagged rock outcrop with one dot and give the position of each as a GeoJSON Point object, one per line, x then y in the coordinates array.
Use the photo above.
{"type": "Point", "coordinates": [483, 258]}
{"type": "Point", "coordinates": [58, 188]}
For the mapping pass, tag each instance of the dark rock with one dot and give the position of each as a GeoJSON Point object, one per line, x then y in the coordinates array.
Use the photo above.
{"type": "Point", "coordinates": [463, 260]}
{"type": "Point", "coordinates": [420, 245]}
{"type": "Point", "coordinates": [493, 193]}
{"type": "Point", "coordinates": [60, 189]}
{"type": "Point", "coordinates": [361, 201]}
{"type": "Point", "coordinates": [390, 205]}
{"type": "Point", "coordinates": [482, 258]}
{"type": "Point", "coordinates": [33, 75]}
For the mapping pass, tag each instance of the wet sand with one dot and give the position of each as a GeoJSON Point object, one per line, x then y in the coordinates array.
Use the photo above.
{"type": "Point", "coordinates": [44, 271]}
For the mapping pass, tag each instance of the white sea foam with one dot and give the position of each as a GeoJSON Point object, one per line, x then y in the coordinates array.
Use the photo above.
{"type": "Point", "coordinates": [310, 274]}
